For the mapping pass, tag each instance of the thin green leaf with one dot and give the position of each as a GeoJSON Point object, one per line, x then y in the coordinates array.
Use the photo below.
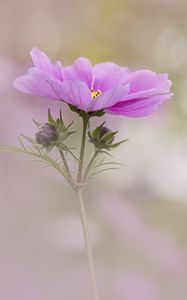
{"type": "Point", "coordinates": [105, 152]}
{"type": "Point", "coordinates": [108, 163]}
{"type": "Point", "coordinates": [21, 143]}
{"type": "Point", "coordinates": [101, 171]}
{"type": "Point", "coordinates": [69, 126]}
{"type": "Point", "coordinates": [38, 125]}
{"type": "Point", "coordinates": [11, 150]}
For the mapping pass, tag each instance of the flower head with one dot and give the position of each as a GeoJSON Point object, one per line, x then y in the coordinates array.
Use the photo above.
{"type": "Point", "coordinates": [104, 86]}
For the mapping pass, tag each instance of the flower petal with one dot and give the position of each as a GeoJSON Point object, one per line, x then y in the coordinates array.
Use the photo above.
{"type": "Point", "coordinates": [37, 83]}
{"type": "Point", "coordinates": [43, 63]}
{"type": "Point", "coordinates": [109, 98]}
{"type": "Point", "coordinates": [74, 92]}
{"type": "Point", "coordinates": [107, 75]}
{"type": "Point", "coordinates": [147, 91]}
{"type": "Point", "coordinates": [146, 80]}
{"type": "Point", "coordinates": [145, 94]}
{"type": "Point", "coordinates": [138, 108]}
{"type": "Point", "coordinates": [81, 70]}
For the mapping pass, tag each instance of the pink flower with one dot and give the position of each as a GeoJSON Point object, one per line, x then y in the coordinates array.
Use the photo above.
{"type": "Point", "coordinates": [104, 86]}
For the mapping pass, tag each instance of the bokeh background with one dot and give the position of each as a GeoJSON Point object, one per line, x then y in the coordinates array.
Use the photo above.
{"type": "Point", "coordinates": [137, 214]}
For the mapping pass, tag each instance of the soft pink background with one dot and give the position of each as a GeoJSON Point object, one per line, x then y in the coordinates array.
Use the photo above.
{"type": "Point", "coordinates": [138, 214]}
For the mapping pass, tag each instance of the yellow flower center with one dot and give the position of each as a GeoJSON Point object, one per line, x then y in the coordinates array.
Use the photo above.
{"type": "Point", "coordinates": [95, 93]}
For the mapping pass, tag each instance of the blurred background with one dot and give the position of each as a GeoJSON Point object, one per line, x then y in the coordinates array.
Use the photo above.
{"type": "Point", "coordinates": [137, 214]}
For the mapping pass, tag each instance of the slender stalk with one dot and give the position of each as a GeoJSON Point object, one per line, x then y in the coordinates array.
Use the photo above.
{"type": "Point", "coordinates": [83, 212]}
{"type": "Point", "coordinates": [81, 157]}
{"type": "Point", "coordinates": [87, 244]}
{"type": "Point", "coordinates": [90, 164]}
{"type": "Point", "coordinates": [69, 176]}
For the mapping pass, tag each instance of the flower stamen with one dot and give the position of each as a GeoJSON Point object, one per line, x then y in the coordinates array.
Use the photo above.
{"type": "Point", "coordinates": [95, 93]}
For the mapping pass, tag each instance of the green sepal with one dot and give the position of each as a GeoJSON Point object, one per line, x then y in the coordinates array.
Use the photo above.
{"type": "Point", "coordinates": [82, 113]}
{"type": "Point", "coordinates": [96, 132]}
{"type": "Point", "coordinates": [107, 138]}
{"type": "Point", "coordinates": [50, 118]}
{"type": "Point", "coordinates": [119, 143]}
{"type": "Point", "coordinates": [60, 126]}
{"type": "Point", "coordinates": [89, 135]}
{"type": "Point", "coordinates": [73, 108]}
{"type": "Point", "coordinates": [64, 135]}
{"type": "Point", "coordinates": [98, 113]}
{"type": "Point", "coordinates": [60, 123]}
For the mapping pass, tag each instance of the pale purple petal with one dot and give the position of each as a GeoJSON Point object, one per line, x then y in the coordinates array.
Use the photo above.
{"type": "Point", "coordinates": [139, 107]}
{"type": "Point", "coordinates": [75, 92]}
{"type": "Point", "coordinates": [109, 98]}
{"type": "Point", "coordinates": [80, 70]}
{"type": "Point", "coordinates": [146, 80]}
{"type": "Point", "coordinates": [144, 94]}
{"type": "Point", "coordinates": [37, 83]}
{"type": "Point", "coordinates": [147, 91]}
{"type": "Point", "coordinates": [43, 63]}
{"type": "Point", "coordinates": [107, 75]}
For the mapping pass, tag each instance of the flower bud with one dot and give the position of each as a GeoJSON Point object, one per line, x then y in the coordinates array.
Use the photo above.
{"type": "Point", "coordinates": [47, 135]}
{"type": "Point", "coordinates": [102, 137]}
{"type": "Point", "coordinates": [105, 130]}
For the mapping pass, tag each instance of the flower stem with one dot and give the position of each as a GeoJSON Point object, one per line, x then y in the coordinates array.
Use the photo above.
{"type": "Point", "coordinates": [87, 244]}
{"type": "Point", "coordinates": [83, 211]}
{"type": "Point", "coordinates": [81, 157]}
{"type": "Point", "coordinates": [69, 176]}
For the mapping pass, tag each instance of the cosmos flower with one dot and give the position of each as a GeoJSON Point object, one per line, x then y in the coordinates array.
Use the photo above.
{"type": "Point", "coordinates": [104, 86]}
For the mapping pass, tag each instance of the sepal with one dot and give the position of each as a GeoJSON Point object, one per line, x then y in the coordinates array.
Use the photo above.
{"type": "Point", "coordinates": [82, 113]}
{"type": "Point", "coordinates": [102, 137]}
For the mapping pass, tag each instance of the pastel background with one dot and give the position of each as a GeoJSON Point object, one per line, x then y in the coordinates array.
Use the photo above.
{"type": "Point", "coordinates": [137, 214]}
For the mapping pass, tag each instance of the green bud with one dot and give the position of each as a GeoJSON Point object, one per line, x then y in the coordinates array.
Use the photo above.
{"type": "Point", "coordinates": [102, 137]}
{"type": "Point", "coordinates": [107, 135]}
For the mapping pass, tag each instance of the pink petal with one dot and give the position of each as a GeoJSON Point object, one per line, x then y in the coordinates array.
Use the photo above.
{"type": "Point", "coordinates": [139, 108]}
{"type": "Point", "coordinates": [75, 92]}
{"type": "Point", "coordinates": [43, 63]}
{"type": "Point", "coordinates": [146, 80]}
{"type": "Point", "coordinates": [81, 70]}
{"type": "Point", "coordinates": [36, 83]}
{"type": "Point", "coordinates": [144, 94]}
{"type": "Point", "coordinates": [147, 91]}
{"type": "Point", "coordinates": [107, 75]}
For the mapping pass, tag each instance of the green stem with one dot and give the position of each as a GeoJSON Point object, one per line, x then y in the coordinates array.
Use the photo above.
{"type": "Point", "coordinates": [87, 244]}
{"type": "Point", "coordinates": [69, 176]}
{"type": "Point", "coordinates": [81, 157]}
{"type": "Point", "coordinates": [90, 164]}
{"type": "Point", "coordinates": [83, 212]}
